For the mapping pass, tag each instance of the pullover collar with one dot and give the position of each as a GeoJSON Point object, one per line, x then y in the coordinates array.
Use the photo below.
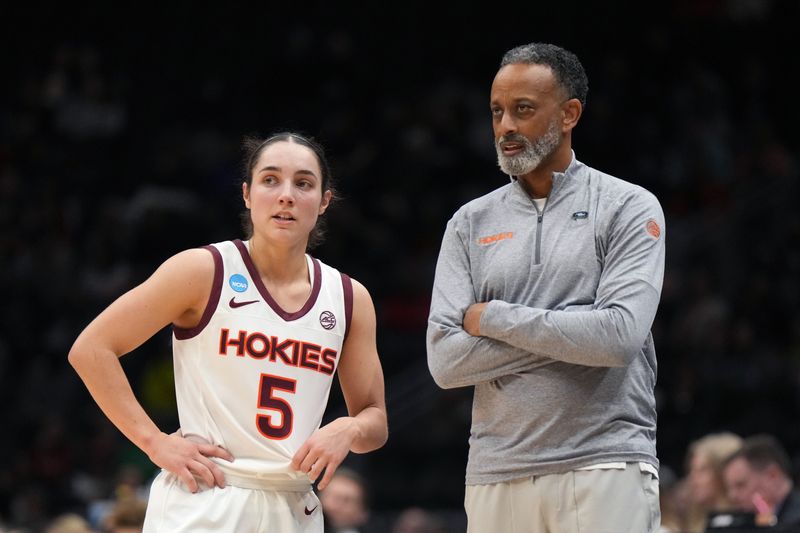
{"type": "Point", "coordinates": [560, 179]}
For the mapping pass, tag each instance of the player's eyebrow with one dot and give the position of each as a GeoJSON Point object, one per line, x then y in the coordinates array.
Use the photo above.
{"type": "Point", "coordinates": [278, 169]}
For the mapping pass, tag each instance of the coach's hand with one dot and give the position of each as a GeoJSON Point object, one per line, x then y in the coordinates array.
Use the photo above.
{"type": "Point", "coordinates": [325, 449]}
{"type": "Point", "coordinates": [472, 319]}
{"type": "Point", "coordinates": [189, 460]}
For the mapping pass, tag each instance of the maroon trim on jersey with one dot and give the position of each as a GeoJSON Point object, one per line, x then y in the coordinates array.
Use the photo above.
{"type": "Point", "coordinates": [347, 285]}
{"type": "Point", "coordinates": [312, 298]}
{"type": "Point", "coordinates": [216, 289]}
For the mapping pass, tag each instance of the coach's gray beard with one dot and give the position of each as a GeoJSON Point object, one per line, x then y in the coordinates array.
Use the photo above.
{"type": "Point", "coordinates": [533, 153]}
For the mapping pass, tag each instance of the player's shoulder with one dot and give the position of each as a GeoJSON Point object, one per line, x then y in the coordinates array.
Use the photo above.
{"type": "Point", "coordinates": [185, 277]}
{"type": "Point", "coordinates": [335, 273]}
{"type": "Point", "coordinates": [329, 273]}
{"type": "Point", "coordinates": [191, 263]}
{"type": "Point", "coordinates": [359, 290]}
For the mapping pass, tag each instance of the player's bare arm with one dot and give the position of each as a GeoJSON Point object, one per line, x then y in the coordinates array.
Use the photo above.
{"type": "Point", "coordinates": [361, 378]}
{"type": "Point", "coordinates": [177, 292]}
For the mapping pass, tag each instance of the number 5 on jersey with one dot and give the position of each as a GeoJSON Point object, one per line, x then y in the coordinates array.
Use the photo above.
{"type": "Point", "coordinates": [267, 400]}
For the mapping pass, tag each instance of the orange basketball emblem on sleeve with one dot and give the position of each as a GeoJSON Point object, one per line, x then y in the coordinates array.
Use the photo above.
{"type": "Point", "coordinates": [653, 228]}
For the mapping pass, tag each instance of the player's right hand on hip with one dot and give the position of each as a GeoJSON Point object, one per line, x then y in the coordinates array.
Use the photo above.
{"type": "Point", "coordinates": [188, 458]}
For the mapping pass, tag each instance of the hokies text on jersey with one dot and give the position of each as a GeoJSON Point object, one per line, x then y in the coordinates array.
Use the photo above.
{"type": "Point", "coordinates": [290, 352]}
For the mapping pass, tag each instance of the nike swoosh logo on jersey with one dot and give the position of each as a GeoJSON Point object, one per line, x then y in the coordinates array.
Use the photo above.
{"type": "Point", "coordinates": [306, 510]}
{"type": "Point", "coordinates": [234, 304]}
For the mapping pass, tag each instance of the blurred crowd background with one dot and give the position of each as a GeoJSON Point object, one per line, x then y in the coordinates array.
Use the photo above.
{"type": "Point", "coordinates": [119, 146]}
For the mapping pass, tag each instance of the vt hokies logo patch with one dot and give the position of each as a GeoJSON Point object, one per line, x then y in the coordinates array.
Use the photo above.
{"type": "Point", "coordinates": [653, 228]}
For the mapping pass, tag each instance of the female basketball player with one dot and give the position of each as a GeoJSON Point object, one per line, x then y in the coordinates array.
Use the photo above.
{"type": "Point", "coordinates": [259, 329]}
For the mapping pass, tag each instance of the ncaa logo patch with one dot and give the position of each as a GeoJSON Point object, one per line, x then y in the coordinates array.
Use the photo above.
{"type": "Point", "coordinates": [327, 320]}
{"type": "Point", "coordinates": [238, 283]}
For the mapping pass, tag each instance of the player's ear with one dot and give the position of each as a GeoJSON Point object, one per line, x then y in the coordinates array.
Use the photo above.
{"type": "Point", "coordinates": [246, 194]}
{"type": "Point", "coordinates": [326, 201]}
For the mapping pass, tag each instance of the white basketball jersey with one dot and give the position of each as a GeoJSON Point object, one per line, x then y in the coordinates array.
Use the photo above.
{"type": "Point", "coordinates": [252, 377]}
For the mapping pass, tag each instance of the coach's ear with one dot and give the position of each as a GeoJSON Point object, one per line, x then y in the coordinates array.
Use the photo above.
{"type": "Point", "coordinates": [571, 111]}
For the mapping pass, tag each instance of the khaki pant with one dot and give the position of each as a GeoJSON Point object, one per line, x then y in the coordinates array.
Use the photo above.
{"type": "Point", "coordinates": [581, 501]}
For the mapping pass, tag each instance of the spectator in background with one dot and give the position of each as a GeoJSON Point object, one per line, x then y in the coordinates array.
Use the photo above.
{"type": "Point", "coordinates": [127, 516]}
{"type": "Point", "coordinates": [758, 478]}
{"type": "Point", "coordinates": [705, 459]}
{"type": "Point", "coordinates": [345, 502]}
{"type": "Point", "coordinates": [673, 499]}
{"type": "Point", "coordinates": [417, 520]}
{"type": "Point", "coordinates": [68, 523]}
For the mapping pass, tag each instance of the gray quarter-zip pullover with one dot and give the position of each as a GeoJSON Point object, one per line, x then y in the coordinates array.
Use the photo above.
{"type": "Point", "coordinates": [565, 368]}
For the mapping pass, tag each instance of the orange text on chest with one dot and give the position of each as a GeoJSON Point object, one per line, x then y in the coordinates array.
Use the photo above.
{"type": "Point", "coordinates": [494, 238]}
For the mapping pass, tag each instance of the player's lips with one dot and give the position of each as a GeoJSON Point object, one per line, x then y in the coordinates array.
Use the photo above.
{"type": "Point", "coordinates": [283, 218]}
